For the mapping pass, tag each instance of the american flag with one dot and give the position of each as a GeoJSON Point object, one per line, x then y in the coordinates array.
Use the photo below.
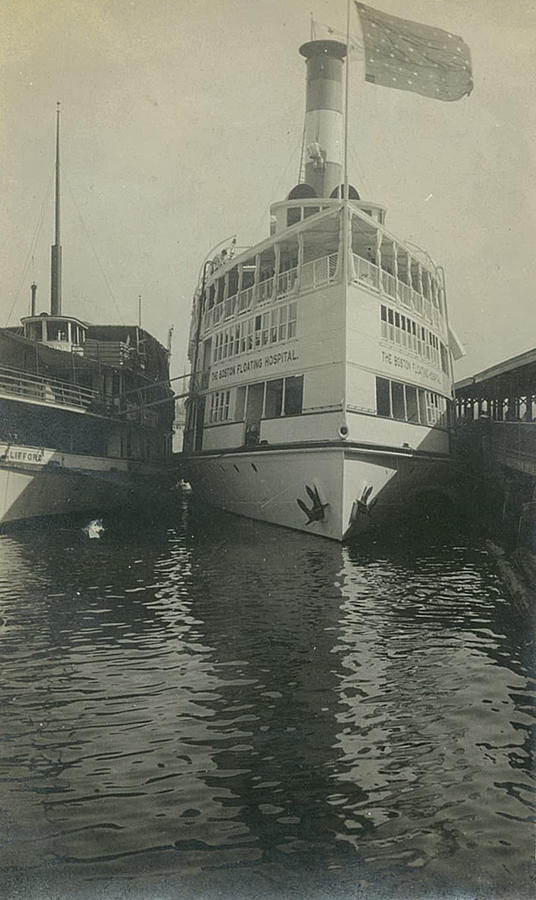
{"type": "Point", "coordinates": [413, 57]}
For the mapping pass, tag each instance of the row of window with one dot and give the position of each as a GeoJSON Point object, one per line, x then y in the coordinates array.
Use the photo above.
{"type": "Point", "coordinates": [408, 403]}
{"type": "Point", "coordinates": [284, 397]}
{"type": "Point", "coordinates": [261, 400]}
{"type": "Point", "coordinates": [257, 331]}
{"type": "Point", "coordinates": [400, 329]}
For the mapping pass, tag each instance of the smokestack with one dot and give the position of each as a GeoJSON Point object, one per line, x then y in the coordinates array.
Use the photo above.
{"type": "Point", "coordinates": [32, 302]}
{"type": "Point", "coordinates": [324, 126]}
{"type": "Point", "coordinates": [55, 273]}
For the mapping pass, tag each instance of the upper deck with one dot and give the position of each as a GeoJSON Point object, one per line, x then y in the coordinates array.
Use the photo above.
{"type": "Point", "coordinates": [306, 255]}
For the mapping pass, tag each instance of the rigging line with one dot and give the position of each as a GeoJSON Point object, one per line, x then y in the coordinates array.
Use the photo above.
{"type": "Point", "coordinates": [153, 384]}
{"type": "Point", "coordinates": [279, 183]}
{"type": "Point", "coordinates": [91, 244]}
{"type": "Point", "coordinates": [33, 244]}
{"type": "Point", "coordinates": [141, 406]}
{"type": "Point", "coordinates": [301, 173]}
{"type": "Point", "coordinates": [354, 158]}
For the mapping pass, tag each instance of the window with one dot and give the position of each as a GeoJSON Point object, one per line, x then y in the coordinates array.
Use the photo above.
{"type": "Point", "coordinates": [250, 324]}
{"type": "Point", "coordinates": [34, 331]}
{"type": "Point", "coordinates": [282, 323]}
{"type": "Point", "coordinates": [240, 403]}
{"type": "Point", "coordinates": [397, 397]}
{"type": "Point", "coordinates": [383, 316]}
{"type": "Point", "coordinates": [57, 331]}
{"type": "Point", "coordinates": [293, 395]}
{"type": "Point", "coordinates": [291, 326]}
{"type": "Point", "coordinates": [422, 406]}
{"type": "Point", "coordinates": [273, 326]}
{"type": "Point", "coordinates": [412, 409]}
{"type": "Point", "coordinates": [258, 326]}
{"type": "Point", "coordinates": [383, 399]}
{"type": "Point", "coordinates": [293, 215]}
{"type": "Point", "coordinates": [255, 332]}
{"type": "Point", "coordinates": [409, 404]}
{"type": "Point", "coordinates": [274, 398]}
{"type": "Point", "coordinates": [265, 328]}
{"type": "Point", "coordinates": [219, 406]}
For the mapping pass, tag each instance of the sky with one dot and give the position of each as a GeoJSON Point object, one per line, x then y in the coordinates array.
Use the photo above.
{"type": "Point", "coordinates": [182, 121]}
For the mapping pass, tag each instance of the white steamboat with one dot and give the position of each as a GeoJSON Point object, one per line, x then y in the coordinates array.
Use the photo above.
{"type": "Point", "coordinates": [321, 368]}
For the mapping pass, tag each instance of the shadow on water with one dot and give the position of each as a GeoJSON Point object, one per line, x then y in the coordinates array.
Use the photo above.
{"type": "Point", "coordinates": [202, 706]}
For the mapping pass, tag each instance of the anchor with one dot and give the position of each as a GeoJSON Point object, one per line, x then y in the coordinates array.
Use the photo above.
{"type": "Point", "coordinates": [316, 512]}
{"type": "Point", "coordinates": [362, 505]}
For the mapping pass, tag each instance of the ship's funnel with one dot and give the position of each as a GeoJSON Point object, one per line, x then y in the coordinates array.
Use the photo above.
{"type": "Point", "coordinates": [324, 137]}
{"type": "Point", "coordinates": [33, 288]}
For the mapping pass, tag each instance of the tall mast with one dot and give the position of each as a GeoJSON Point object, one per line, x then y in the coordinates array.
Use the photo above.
{"type": "Point", "coordinates": [55, 273]}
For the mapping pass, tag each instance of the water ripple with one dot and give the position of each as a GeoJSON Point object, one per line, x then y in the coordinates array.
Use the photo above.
{"type": "Point", "coordinates": [207, 696]}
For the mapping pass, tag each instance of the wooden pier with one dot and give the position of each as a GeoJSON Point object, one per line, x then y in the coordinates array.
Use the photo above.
{"type": "Point", "coordinates": [496, 444]}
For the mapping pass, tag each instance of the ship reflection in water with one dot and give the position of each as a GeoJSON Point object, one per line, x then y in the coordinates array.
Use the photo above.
{"type": "Point", "coordinates": [222, 709]}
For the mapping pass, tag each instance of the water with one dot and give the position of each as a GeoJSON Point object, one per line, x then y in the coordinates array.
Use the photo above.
{"type": "Point", "coordinates": [213, 708]}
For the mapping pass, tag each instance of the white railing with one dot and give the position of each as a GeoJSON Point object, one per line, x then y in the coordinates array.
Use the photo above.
{"type": "Point", "coordinates": [317, 272]}
{"type": "Point", "coordinates": [230, 306]}
{"type": "Point", "coordinates": [310, 275]}
{"type": "Point", "coordinates": [389, 284]}
{"type": "Point", "coordinates": [286, 281]}
{"type": "Point", "coordinates": [368, 274]}
{"type": "Point", "coordinates": [404, 293]}
{"type": "Point", "coordinates": [366, 271]}
{"type": "Point", "coordinates": [46, 390]}
{"type": "Point", "coordinates": [265, 290]}
{"type": "Point", "coordinates": [416, 301]}
{"type": "Point", "coordinates": [245, 300]}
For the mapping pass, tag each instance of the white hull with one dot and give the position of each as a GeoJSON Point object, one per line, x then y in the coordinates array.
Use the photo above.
{"type": "Point", "coordinates": [36, 482]}
{"type": "Point", "coordinates": [357, 489]}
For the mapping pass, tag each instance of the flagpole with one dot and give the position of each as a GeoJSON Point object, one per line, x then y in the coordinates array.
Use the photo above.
{"type": "Point", "coordinates": [346, 92]}
{"type": "Point", "coordinates": [345, 210]}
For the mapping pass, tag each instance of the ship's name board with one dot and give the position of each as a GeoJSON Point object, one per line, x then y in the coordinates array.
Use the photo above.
{"type": "Point", "coordinates": [14, 455]}
{"type": "Point", "coordinates": [253, 365]}
{"type": "Point", "coordinates": [411, 366]}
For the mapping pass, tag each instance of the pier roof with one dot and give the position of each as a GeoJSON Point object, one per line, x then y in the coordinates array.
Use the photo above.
{"type": "Point", "coordinates": [517, 373]}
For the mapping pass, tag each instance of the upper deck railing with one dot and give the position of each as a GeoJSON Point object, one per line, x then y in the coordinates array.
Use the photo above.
{"type": "Point", "coordinates": [312, 274]}
{"type": "Point", "coordinates": [317, 273]}
{"type": "Point", "coordinates": [45, 390]}
{"type": "Point", "coordinates": [371, 275]}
